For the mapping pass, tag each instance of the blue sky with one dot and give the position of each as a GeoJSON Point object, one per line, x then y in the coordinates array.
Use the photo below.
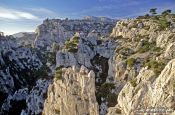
{"type": "Point", "coordinates": [25, 15]}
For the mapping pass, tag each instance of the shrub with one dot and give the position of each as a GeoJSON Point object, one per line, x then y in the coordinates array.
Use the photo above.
{"type": "Point", "coordinates": [59, 72]}
{"type": "Point", "coordinates": [146, 46]}
{"type": "Point", "coordinates": [124, 24]}
{"type": "Point", "coordinates": [126, 51]}
{"type": "Point", "coordinates": [72, 46]}
{"type": "Point", "coordinates": [166, 12]}
{"type": "Point", "coordinates": [111, 99]}
{"type": "Point", "coordinates": [41, 72]}
{"type": "Point", "coordinates": [117, 38]}
{"type": "Point", "coordinates": [157, 67]}
{"type": "Point", "coordinates": [153, 11]}
{"type": "Point", "coordinates": [147, 27]}
{"type": "Point", "coordinates": [130, 62]}
{"type": "Point", "coordinates": [55, 47]}
{"type": "Point", "coordinates": [106, 88]}
{"type": "Point", "coordinates": [133, 82]}
{"type": "Point", "coordinates": [51, 57]}
{"type": "Point", "coordinates": [156, 49]}
{"type": "Point", "coordinates": [163, 24]}
{"type": "Point", "coordinates": [105, 92]}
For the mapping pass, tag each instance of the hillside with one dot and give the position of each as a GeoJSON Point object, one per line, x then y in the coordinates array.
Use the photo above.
{"type": "Point", "coordinates": [93, 66]}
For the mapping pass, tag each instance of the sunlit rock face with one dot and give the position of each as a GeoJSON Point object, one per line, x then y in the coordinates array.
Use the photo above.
{"type": "Point", "coordinates": [59, 31]}
{"type": "Point", "coordinates": [147, 86]}
{"type": "Point", "coordinates": [73, 94]}
{"type": "Point", "coordinates": [151, 91]}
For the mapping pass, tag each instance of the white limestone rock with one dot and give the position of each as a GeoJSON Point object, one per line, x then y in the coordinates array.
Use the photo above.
{"type": "Point", "coordinates": [149, 92]}
{"type": "Point", "coordinates": [72, 95]}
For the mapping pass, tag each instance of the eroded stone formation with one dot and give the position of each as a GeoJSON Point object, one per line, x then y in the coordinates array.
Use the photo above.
{"type": "Point", "coordinates": [89, 67]}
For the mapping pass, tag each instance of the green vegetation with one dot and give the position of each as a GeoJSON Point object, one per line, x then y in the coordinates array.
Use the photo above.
{"type": "Point", "coordinates": [45, 56]}
{"type": "Point", "coordinates": [173, 85]}
{"type": "Point", "coordinates": [105, 92]}
{"type": "Point", "coordinates": [156, 66]}
{"type": "Point", "coordinates": [153, 11]}
{"type": "Point", "coordinates": [133, 82]}
{"type": "Point", "coordinates": [162, 20]}
{"type": "Point", "coordinates": [156, 49]}
{"type": "Point", "coordinates": [131, 62]}
{"type": "Point", "coordinates": [106, 88]}
{"type": "Point", "coordinates": [55, 47]}
{"type": "Point", "coordinates": [41, 72]}
{"type": "Point", "coordinates": [59, 72]}
{"type": "Point", "coordinates": [117, 38]}
{"type": "Point", "coordinates": [126, 51]}
{"type": "Point", "coordinates": [111, 99]}
{"type": "Point", "coordinates": [124, 24]}
{"type": "Point", "coordinates": [146, 46]}
{"type": "Point", "coordinates": [146, 27]}
{"type": "Point", "coordinates": [166, 12]}
{"type": "Point", "coordinates": [51, 57]}
{"type": "Point", "coordinates": [163, 24]}
{"type": "Point", "coordinates": [72, 45]}
{"type": "Point", "coordinates": [146, 16]}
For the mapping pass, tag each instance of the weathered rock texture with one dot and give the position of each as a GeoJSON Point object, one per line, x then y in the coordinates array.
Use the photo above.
{"type": "Point", "coordinates": [151, 91]}
{"type": "Point", "coordinates": [89, 68]}
{"type": "Point", "coordinates": [73, 94]}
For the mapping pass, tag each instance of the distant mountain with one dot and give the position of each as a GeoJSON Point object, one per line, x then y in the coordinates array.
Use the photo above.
{"type": "Point", "coordinates": [25, 38]}
{"type": "Point", "coordinates": [22, 34]}
{"type": "Point", "coordinates": [102, 19]}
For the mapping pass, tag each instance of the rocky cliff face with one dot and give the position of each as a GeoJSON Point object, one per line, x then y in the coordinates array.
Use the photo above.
{"type": "Point", "coordinates": [150, 91]}
{"type": "Point", "coordinates": [19, 79]}
{"type": "Point", "coordinates": [25, 38]}
{"type": "Point", "coordinates": [72, 94]}
{"type": "Point", "coordinates": [90, 67]}
{"type": "Point", "coordinates": [145, 65]}
{"type": "Point", "coordinates": [27, 71]}
{"type": "Point", "coordinates": [58, 31]}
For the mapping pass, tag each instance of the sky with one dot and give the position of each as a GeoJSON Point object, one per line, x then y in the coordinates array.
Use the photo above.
{"type": "Point", "coordinates": [26, 15]}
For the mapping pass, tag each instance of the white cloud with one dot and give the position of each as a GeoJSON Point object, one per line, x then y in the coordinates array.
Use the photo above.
{"type": "Point", "coordinates": [42, 10]}
{"type": "Point", "coordinates": [13, 14]}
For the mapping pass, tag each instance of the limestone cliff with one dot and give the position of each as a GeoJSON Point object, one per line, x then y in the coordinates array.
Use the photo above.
{"type": "Point", "coordinates": [150, 93]}
{"type": "Point", "coordinates": [144, 62]}
{"type": "Point", "coordinates": [90, 67]}
{"type": "Point", "coordinates": [72, 94]}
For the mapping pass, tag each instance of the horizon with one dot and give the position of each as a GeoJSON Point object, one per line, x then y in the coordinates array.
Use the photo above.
{"type": "Point", "coordinates": [24, 16]}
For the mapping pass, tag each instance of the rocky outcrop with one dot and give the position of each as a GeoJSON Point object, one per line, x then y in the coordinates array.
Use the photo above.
{"type": "Point", "coordinates": [25, 38]}
{"type": "Point", "coordinates": [59, 31]}
{"type": "Point", "coordinates": [87, 49]}
{"type": "Point", "coordinates": [147, 87]}
{"type": "Point", "coordinates": [169, 52]}
{"type": "Point", "coordinates": [149, 92]}
{"type": "Point", "coordinates": [73, 94]}
{"type": "Point", "coordinates": [20, 86]}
